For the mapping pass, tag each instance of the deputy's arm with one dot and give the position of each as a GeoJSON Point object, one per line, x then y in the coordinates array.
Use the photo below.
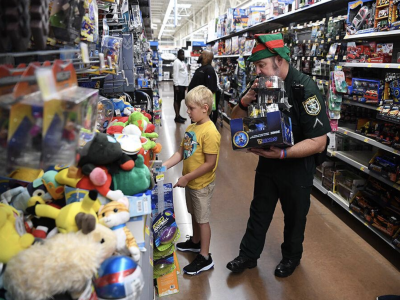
{"type": "Point", "coordinates": [246, 100]}
{"type": "Point", "coordinates": [304, 148]}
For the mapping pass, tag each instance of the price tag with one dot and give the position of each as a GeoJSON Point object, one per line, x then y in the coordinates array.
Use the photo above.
{"type": "Point", "coordinates": [323, 20]}
{"type": "Point", "coordinates": [151, 262]}
{"type": "Point", "coordinates": [290, 44]}
{"type": "Point", "coordinates": [308, 58]}
{"type": "Point", "coordinates": [314, 78]}
{"type": "Point", "coordinates": [328, 62]}
{"type": "Point", "coordinates": [336, 57]}
{"type": "Point", "coordinates": [345, 132]}
{"type": "Point", "coordinates": [305, 25]}
{"type": "Point", "coordinates": [304, 41]}
{"type": "Point", "coordinates": [333, 153]}
{"type": "Point", "coordinates": [147, 230]}
{"type": "Point", "coordinates": [366, 224]}
{"type": "Point", "coordinates": [337, 37]}
{"type": "Point", "coordinates": [369, 65]}
{"type": "Point", "coordinates": [344, 57]}
{"type": "Point", "coordinates": [322, 61]}
{"type": "Point", "coordinates": [46, 83]}
{"type": "Point", "coordinates": [160, 177]}
{"type": "Point", "coordinates": [396, 151]}
{"type": "Point", "coordinates": [322, 42]}
{"type": "Point", "coordinates": [362, 168]}
{"type": "Point", "coordinates": [320, 81]}
{"type": "Point", "coordinates": [316, 40]}
{"type": "Point", "coordinates": [330, 18]}
{"type": "Point", "coordinates": [396, 186]}
{"type": "Point", "coordinates": [387, 66]}
{"type": "Point", "coordinates": [309, 41]}
{"type": "Point", "coordinates": [366, 140]}
{"type": "Point", "coordinates": [329, 40]}
{"type": "Point", "coordinates": [295, 58]}
{"type": "Point", "coordinates": [315, 58]}
{"type": "Point", "coordinates": [398, 67]}
{"type": "Point", "coordinates": [302, 58]}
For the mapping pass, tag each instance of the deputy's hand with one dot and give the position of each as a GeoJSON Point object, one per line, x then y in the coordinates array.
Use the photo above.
{"type": "Point", "coordinates": [272, 152]}
{"type": "Point", "coordinates": [251, 95]}
{"type": "Point", "coordinates": [182, 182]}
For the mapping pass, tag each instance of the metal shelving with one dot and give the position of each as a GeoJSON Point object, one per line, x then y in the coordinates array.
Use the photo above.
{"type": "Point", "coordinates": [300, 15]}
{"type": "Point", "coordinates": [373, 35]}
{"type": "Point", "coordinates": [343, 203]}
{"type": "Point", "coordinates": [367, 140]}
{"type": "Point", "coordinates": [232, 55]}
{"type": "Point", "coordinates": [354, 103]}
{"type": "Point", "coordinates": [371, 65]}
{"type": "Point", "coordinates": [360, 160]}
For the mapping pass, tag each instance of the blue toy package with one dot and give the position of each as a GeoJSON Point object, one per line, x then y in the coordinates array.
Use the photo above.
{"type": "Point", "coordinates": [360, 17]}
{"type": "Point", "coordinates": [168, 198]}
{"type": "Point", "coordinates": [370, 90]}
{"type": "Point", "coordinates": [111, 47]}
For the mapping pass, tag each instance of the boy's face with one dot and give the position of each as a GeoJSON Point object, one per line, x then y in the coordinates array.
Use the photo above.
{"type": "Point", "coordinates": [197, 113]}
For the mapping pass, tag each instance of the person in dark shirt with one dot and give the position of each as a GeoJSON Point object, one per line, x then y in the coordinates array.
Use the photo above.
{"type": "Point", "coordinates": [205, 75]}
{"type": "Point", "coordinates": [288, 174]}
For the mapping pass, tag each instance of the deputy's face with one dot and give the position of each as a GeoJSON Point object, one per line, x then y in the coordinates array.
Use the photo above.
{"type": "Point", "coordinates": [266, 67]}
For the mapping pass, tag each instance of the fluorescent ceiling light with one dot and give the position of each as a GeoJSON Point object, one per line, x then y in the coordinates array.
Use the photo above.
{"type": "Point", "coordinates": [184, 5]}
{"type": "Point", "coordinates": [169, 30]}
{"type": "Point", "coordinates": [170, 25]}
{"type": "Point", "coordinates": [246, 4]}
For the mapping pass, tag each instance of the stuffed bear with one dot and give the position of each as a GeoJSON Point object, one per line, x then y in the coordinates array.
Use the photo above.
{"type": "Point", "coordinates": [63, 263]}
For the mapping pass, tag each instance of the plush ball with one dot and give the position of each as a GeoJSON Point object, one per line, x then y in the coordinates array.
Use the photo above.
{"type": "Point", "coordinates": [98, 177]}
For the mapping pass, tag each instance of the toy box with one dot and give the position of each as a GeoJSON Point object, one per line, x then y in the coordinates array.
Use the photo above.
{"type": "Point", "coordinates": [360, 17]}
{"type": "Point", "coordinates": [240, 19]}
{"type": "Point", "coordinates": [228, 47]}
{"type": "Point", "coordinates": [144, 83]}
{"type": "Point", "coordinates": [235, 45]}
{"type": "Point", "coordinates": [382, 54]}
{"type": "Point", "coordinates": [394, 15]}
{"type": "Point", "coordinates": [273, 130]}
{"type": "Point", "coordinates": [386, 166]}
{"type": "Point", "coordinates": [256, 14]}
{"type": "Point", "coordinates": [370, 90]}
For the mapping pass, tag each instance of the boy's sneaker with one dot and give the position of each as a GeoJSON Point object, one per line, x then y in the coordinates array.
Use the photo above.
{"type": "Point", "coordinates": [189, 246]}
{"type": "Point", "coordinates": [199, 264]}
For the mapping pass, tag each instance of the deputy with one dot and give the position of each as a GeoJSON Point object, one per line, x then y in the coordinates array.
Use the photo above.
{"type": "Point", "coordinates": [287, 174]}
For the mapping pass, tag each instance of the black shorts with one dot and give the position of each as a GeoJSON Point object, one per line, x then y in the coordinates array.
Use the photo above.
{"type": "Point", "coordinates": [179, 95]}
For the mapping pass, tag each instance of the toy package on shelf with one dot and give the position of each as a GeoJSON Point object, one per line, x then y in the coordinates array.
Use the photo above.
{"type": "Point", "coordinates": [382, 54]}
{"type": "Point", "coordinates": [392, 87]}
{"type": "Point", "coordinates": [360, 17]}
{"type": "Point", "coordinates": [228, 47]}
{"type": "Point", "coordinates": [221, 47]}
{"type": "Point", "coordinates": [394, 15]}
{"type": "Point", "coordinates": [111, 47]}
{"type": "Point", "coordinates": [90, 22]}
{"type": "Point", "coordinates": [385, 165]}
{"type": "Point", "coordinates": [235, 45]}
{"type": "Point", "coordinates": [249, 46]}
{"type": "Point", "coordinates": [242, 45]}
{"type": "Point", "coordinates": [371, 91]}
{"type": "Point", "coordinates": [66, 20]}
{"type": "Point", "coordinates": [256, 14]}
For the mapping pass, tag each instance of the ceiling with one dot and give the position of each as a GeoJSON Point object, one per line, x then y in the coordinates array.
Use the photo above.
{"type": "Point", "coordinates": [186, 9]}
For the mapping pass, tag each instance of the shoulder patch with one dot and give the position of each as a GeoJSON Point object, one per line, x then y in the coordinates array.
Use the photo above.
{"type": "Point", "coordinates": [312, 106]}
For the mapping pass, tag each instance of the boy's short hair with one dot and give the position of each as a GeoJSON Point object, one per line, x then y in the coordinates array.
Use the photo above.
{"type": "Point", "coordinates": [200, 95]}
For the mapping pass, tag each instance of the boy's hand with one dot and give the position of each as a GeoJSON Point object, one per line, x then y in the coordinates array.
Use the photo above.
{"type": "Point", "coordinates": [182, 182]}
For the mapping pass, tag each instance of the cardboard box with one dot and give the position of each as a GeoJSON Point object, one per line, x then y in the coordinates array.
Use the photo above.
{"type": "Point", "coordinates": [273, 130]}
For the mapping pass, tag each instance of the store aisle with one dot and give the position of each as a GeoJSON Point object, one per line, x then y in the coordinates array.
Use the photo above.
{"type": "Point", "coordinates": [337, 262]}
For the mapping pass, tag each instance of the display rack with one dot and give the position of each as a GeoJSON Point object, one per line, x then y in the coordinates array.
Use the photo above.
{"type": "Point", "coordinates": [343, 203]}
{"type": "Point", "coordinates": [371, 65]}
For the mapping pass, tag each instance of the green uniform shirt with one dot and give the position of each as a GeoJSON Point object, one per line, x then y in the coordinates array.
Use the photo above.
{"type": "Point", "coordinates": [309, 120]}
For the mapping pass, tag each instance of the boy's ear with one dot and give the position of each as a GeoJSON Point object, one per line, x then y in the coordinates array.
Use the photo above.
{"type": "Point", "coordinates": [206, 107]}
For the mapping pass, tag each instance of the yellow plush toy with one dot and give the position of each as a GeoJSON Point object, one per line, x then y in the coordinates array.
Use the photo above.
{"type": "Point", "coordinates": [13, 237]}
{"type": "Point", "coordinates": [65, 217]}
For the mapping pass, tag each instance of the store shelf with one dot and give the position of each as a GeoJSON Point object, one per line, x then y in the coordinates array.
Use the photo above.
{"type": "Point", "coordinates": [367, 140]}
{"type": "Point", "coordinates": [360, 160]}
{"type": "Point", "coordinates": [373, 35]}
{"type": "Point", "coordinates": [343, 203]}
{"type": "Point", "coordinates": [300, 15]}
{"type": "Point", "coordinates": [233, 55]}
{"type": "Point", "coordinates": [371, 65]}
{"type": "Point", "coordinates": [319, 186]}
{"type": "Point", "coordinates": [354, 103]}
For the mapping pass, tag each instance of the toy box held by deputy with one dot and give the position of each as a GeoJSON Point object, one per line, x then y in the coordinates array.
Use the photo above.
{"type": "Point", "coordinates": [275, 129]}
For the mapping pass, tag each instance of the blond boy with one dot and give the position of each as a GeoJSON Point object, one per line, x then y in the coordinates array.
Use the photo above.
{"type": "Point", "coordinates": [199, 151]}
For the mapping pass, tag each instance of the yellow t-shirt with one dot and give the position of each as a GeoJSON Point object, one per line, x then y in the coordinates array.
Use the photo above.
{"type": "Point", "coordinates": [198, 141]}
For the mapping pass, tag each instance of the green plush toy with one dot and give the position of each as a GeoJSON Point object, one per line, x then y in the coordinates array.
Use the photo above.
{"type": "Point", "coordinates": [134, 181]}
{"type": "Point", "coordinates": [145, 126]}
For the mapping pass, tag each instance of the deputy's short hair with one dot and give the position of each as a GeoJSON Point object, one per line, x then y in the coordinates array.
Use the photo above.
{"type": "Point", "coordinates": [200, 95]}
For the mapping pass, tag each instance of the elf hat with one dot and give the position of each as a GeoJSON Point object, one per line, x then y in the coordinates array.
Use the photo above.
{"type": "Point", "coordinates": [268, 45]}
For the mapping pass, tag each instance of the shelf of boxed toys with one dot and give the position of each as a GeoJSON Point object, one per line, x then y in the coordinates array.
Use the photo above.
{"type": "Point", "coordinates": [371, 65]}
{"type": "Point", "coordinates": [324, 6]}
{"type": "Point", "coordinates": [360, 160]}
{"type": "Point", "coordinates": [343, 203]}
{"type": "Point", "coordinates": [373, 35]}
{"type": "Point", "coordinates": [367, 140]}
{"type": "Point", "coordinates": [232, 55]}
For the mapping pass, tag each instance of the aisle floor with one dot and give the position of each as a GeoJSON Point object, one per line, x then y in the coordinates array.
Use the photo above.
{"type": "Point", "coordinates": [341, 260]}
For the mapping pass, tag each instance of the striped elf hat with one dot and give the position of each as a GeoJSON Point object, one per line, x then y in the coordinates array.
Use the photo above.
{"type": "Point", "coordinates": [268, 45]}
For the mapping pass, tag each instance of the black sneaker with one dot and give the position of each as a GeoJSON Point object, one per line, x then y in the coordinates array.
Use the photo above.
{"type": "Point", "coordinates": [184, 119]}
{"type": "Point", "coordinates": [179, 120]}
{"type": "Point", "coordinates": [199, 264]}
{"type": "Point", "coordinates": [189, 246]}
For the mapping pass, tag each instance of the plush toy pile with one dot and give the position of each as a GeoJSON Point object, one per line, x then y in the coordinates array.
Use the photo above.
{"type": "Point", "coordinates": [56, 231]}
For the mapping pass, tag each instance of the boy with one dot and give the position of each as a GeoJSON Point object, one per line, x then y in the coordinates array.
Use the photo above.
{"type": "Point", "coordinates": [199, 151]}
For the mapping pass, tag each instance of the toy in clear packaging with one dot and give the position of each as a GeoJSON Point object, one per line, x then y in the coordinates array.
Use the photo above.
{"type": "Point", "coordinates": [111, 47]}
{"type": "Point", "coordinates": [90, 22]}
{"type": "Point", "coordinates": [340, 85]}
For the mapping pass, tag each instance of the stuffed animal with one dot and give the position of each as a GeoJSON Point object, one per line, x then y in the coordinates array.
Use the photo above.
{"type": "Point", "coordinates": [135, 181]}
{"type": "Point", "coordinates": [45, 187]}
{"type": "Point", "coordinates": [13, 237]}
{"type": "Point", "coordinates": [63, 263]}
{"type": "Point", "coordinates": [147, 129]}
{"type": "Point", "coordinates": [65, 217]}
{"type": "Point", "coordinates": [104, 150]}
{"type": "Point", "coordinates": [115, 215]}
{"type": "Point", "coordinates": [122, 108]}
